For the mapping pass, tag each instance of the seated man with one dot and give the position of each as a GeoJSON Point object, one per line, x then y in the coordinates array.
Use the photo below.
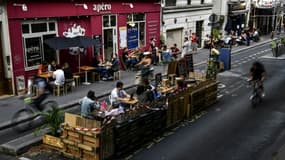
{"type": "Point", "coordinates": [118, 96]}
{"type": "Point", "coordinates": [88, 103]}
{"type": "Point", "coordinates": [58, 75]}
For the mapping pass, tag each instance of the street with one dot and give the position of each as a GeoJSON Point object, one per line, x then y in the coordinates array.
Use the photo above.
{"type": "Point", "coordinates": [230, 129]}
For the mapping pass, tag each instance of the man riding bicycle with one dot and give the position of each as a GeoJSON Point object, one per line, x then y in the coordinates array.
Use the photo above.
{"type": "Point", "coordinates": [257, 74]}
{"type": "Point", "coordinates": [42, 92]}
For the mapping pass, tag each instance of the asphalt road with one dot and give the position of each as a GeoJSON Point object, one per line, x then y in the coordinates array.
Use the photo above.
{"type": "Point", "coordinates": [231, 129]}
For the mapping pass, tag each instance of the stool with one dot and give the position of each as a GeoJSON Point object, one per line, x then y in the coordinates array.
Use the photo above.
{"type": "Point", "coordinates": [68, 85]}
{"type": "Point", "coordinates": [95, 76]}
{"type": "Point", "coordinates": [58, 89]}
{"type": "Point", "coordinates": [171, 78]}
{"type": "Point", "coordinates": [35, 90]}
{"type": "Point", "coordinates": [117, 75]}
{"type": "Point", "coordinates": [76, 80]}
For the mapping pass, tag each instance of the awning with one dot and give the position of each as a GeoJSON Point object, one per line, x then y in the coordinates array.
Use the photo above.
{"type": "Point", "coordinates": [238, 12]}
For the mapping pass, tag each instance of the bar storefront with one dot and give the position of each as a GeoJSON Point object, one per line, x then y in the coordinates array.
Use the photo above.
{"type": "Point", "coordinates": [115, 24]}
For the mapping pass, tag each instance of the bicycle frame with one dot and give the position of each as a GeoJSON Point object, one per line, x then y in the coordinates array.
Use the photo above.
{"type": "Point", "coordinates": [256, 93]}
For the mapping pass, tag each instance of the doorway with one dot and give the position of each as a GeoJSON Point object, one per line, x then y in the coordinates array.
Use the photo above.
{"type": "Point", "coordinates": [199, 28]}
{"type": "Point", "coordinates": [109, 43]}
{"type": "Point", "coordinates": [110, 36]}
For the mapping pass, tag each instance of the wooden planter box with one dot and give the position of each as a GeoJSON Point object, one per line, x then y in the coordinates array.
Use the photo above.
{"type": "Point", "coordinates": [54, 142]}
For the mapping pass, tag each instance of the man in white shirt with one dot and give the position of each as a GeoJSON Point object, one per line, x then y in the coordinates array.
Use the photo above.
{"type": "Point", "coordinates": [58, 75]}
{"type": "Point", "coordinates": [118, 95]}
{"type": "Point", "coordinates": [186, 49]}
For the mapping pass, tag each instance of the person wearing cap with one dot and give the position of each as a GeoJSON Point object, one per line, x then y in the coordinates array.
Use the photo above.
{"type": "Point", "coordinates": [88, 103]}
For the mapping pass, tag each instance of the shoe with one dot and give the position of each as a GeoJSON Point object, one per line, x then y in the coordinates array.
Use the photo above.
{"type": "Point", "coordinates": [263, 95]}
{"type": "Point", "coordinates": [251, 97]}
{"type": "Point", "coordinates": [104, 79]}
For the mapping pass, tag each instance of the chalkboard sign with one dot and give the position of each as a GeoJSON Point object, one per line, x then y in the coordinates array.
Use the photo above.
{"type": "Point", "coordinates": [33, 51]}
{"type": "Point", "coordinates": [181, 67]}
{"type": "Point", "coordinates": [189, 63]}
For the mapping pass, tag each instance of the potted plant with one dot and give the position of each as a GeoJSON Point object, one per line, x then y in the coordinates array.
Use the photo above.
{"type": "Point", "coordinates": [53, 119]}
{"type": "Point", "coordinates": [274, 48]}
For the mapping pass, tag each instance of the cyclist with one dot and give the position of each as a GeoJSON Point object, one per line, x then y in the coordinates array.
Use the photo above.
{"type": "Point", "coordinates": [42, 92]}
{"type": "Point", "coordinates": [257, 73]}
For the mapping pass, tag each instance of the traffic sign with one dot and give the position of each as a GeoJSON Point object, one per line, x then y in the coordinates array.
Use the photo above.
{"type": "Point", "coordinates": [213, 18]}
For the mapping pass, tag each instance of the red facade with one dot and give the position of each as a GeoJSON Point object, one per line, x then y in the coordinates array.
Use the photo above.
{"type": "Point", "coordinates": [90, 19]}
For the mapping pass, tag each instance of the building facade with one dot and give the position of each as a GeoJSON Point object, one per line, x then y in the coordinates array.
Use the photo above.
{"type": "Point", "coordinates": [115, 24]}
{"type": "Point", "coordinates": [266, 15]}
{"type": "Point", "coordinates": [180, 18]}
{"type": "Point", "coordinates": [233, 14]}
{"type": "Point", "coordinates": [6, 87]}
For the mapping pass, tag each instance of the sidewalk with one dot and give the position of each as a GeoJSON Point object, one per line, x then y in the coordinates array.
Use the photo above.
{"type": "Point", "coordinates": [10, 105]}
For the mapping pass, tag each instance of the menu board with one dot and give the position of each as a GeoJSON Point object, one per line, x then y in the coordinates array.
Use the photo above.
{"type": "Point", "coordinates": [33, 51]}
{"type": "Point", "coordinates": [189, 63]}
{"type": "Point", "coordinates": [181, 66]}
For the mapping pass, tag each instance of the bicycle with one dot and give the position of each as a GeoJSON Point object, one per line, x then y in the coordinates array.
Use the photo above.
{"type": "Point", "coordinates": [23, 119]}
{"type": "Point", "coordinates": [256, 96]}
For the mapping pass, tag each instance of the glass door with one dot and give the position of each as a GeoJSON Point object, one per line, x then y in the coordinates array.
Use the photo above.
{"type": "Point", "coordinates": [110, 36]}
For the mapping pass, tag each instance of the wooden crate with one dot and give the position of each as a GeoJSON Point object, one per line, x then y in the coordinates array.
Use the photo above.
{"type": "Point", "coordinates": [71, 119]}
{"type": "Point", "coordinates": [91, 141]}
{"type": "Point", "coordinates": [53, 141]}
{"type": "Point", "coordinates": [72, 150]}
{"type": "Point", "coordinates": [74, 120]}
{"type": "Point", "coordinates": [86, 155]}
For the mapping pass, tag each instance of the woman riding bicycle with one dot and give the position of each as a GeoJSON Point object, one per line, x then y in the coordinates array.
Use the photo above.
{"type": "Point", "coordinates": [257, 74]}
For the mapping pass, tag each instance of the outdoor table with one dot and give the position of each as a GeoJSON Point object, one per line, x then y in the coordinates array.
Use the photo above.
{"type": "Point", "coordinates": [86, 69]}
{"type": "Point", "coordinates": [165, 90]}
{"type": "Point", "coordinates": [105, 65]}
{"type": "Point", "coordinates": [45, 75]}
{"type": "Point", "coordinates": [130, 102]}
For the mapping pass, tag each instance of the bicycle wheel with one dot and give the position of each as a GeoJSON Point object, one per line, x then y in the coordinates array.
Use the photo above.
{"type": "Point", "coordinates": [21, 120]}
{"type": "Point", "coordinates": [255, 100]}
{"type": "Point", "coordinates": [47, 106]}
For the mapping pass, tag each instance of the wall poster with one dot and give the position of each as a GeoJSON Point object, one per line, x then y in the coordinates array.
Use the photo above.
{"type": "Point", "coordinates": [123, 37]}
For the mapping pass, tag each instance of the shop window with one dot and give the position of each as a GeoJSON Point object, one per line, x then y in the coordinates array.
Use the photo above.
{"type": "Point", "coordinates": [39, 27]}
{"type": "Point", "coordinates": [113, 20]}
{"type": "Point", "coordinates": [135, 30]}
{"type": "Point", "coordinates": [25, 28]}
{"type": "Point", "coordinates": [109, 21]}
{"type": "Point", "coordinates": [170, 2]}
{"type": "Point", "coordinates": [189, 2]}
{"type": "Point", "coordinates": [51, 26]}
{"type": "Point", "coordinates": [35, 50]}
